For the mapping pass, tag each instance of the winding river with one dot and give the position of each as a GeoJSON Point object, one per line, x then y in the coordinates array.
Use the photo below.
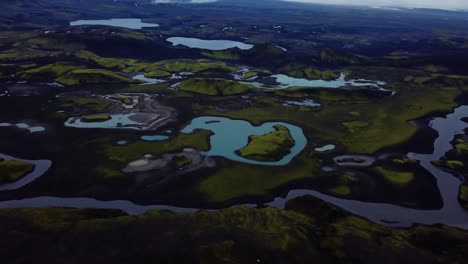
{"type": "Point", "coordinates": [451, 214]}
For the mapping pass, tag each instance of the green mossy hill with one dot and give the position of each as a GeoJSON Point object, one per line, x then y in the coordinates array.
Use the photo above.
{"type": "Point", "coordinates": [301, 71]}
{"type": "Point", "coordinates": [13, 170]}
{"type": "Point", "coordinates": [93, 77]}
{"type": "Point", "coordinates": [194, 66]}
{"type": "Point", "coordinates": [395, 177]}
{"type": "Point", "coordinates": [124, 99]}
{"type": "Point", "coordinates": [47, 72]}
{"type": "Point", "coordinates": [463, 195]}
{"type": "Point", "coordinates": [96, 118]}
{"type": "Point", "coordinates": [327, 75]}
{"type": "Point", "coordinates": [157, 74]}
{"type": "Point", "coordinates": [269, 147]}
{"type": "Point", "coordinates": [449, 164]}
{"type": "Point", "coordinates": [214, 86]}
{"type": "Point", "coordinates": [127, 65]}
{"type": "Point", "coordinates": [308, 231]}
{"type": "Point", "coordinates": [222, 55]}
{"type": "Point", "coordinates": [158, 69]}
{"type": "Point", "coordinates": [254, 73]}
{"type": "Point", "coordinates": [180, 161]}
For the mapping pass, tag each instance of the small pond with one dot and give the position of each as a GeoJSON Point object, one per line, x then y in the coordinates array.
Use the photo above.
{"type": "Point", "coordinates": [325, 148]}
{"type": "Point", "coordinates": [154, 138]}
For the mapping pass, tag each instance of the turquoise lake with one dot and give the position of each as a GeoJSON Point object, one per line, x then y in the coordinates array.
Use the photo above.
{"type": "Point", "coordinates": [232, 135]}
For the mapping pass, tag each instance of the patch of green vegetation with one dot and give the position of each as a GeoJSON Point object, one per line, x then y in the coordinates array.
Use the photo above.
{"type": "Point", "coordinates": [341, 190]}
{"type": "Point", "coordinates": [91, 104]}
{"type": "Point", "coordinates": [395, 177]}
{"type": "Point", "coordinates": [404, 161]}
{"type": "Point", "coordinates": [434, 68]}
{"type": "Point", "coordinates": [48, 72]}
{"type": "Point", "coordinates": [461, 147]}
{"type": "Point", "coordinates": [124, 99]}
{"type": "Point", "coordinates": [96, 118]}
{"type": "Point", "coordinates": [214, 86]}
{"type": "Point", "coordinates": [241, 179]}
{"type": "Point", "coordinates": [127, 65]}
{"type": "Point", "coordinates": [13, 170]}
{"type": "Point", "coordinates": [327, 75]}
{"type": "Point", "coordinates": [180, 161]}
{"type": "Point", "coordinates": [355, 126]}
{"type": "Point", "coordinates": [249, 74]}
{"type": "Point", "coordinates": [449, 164]}
{"type": "Point", "coordinates": [221, 55]}
{"type": "Point", "coordinates": [134, 151]}
{"type": "Point", "coordinates": [253, 73]}
{"type": "Point", "coordinates": [463, 195]}
{"type": "Point", "coordinates": [157, 74]}
{"type": "Point", "coordinates": [269, 147]}
{"type": "Point", "coordinates": [194, 66]}
{"type": "Point", "coordinates": [93, 77]}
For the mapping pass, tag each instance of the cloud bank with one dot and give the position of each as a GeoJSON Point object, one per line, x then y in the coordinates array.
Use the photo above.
{"type": "Point", "coordinates": [436, 4]}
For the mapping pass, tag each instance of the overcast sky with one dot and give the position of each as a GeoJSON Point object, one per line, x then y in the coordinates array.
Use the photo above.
{"type": "Point", "coordinates": [439, 4]}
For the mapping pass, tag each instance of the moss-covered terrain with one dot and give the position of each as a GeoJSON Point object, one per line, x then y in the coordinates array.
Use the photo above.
{"type": "Point", "coordinates": [395, 177]}
{"type": "Point", "coordinates": [13, 170]}
{"type": "Point", "coordinates": [449, 164]}
{"type": "Point", "coordinates": [96, 118]}
{"type": "Point", "coordinates": [269, 147]}
{"type": "Point", "coordinates": [214, 86]}
{"type": "Point", "coordinates": [307, 231]}
{"type": "Point", "coordinates": [124, 99]}
{"type": "Point", "coordinates": [425, 74]}
{"type": "Point", "coordinates": [93, 77]}
{"type": "Point", "coordinates": [180, 161]}
{"type": "Point", "coordinates": [463, 195]}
